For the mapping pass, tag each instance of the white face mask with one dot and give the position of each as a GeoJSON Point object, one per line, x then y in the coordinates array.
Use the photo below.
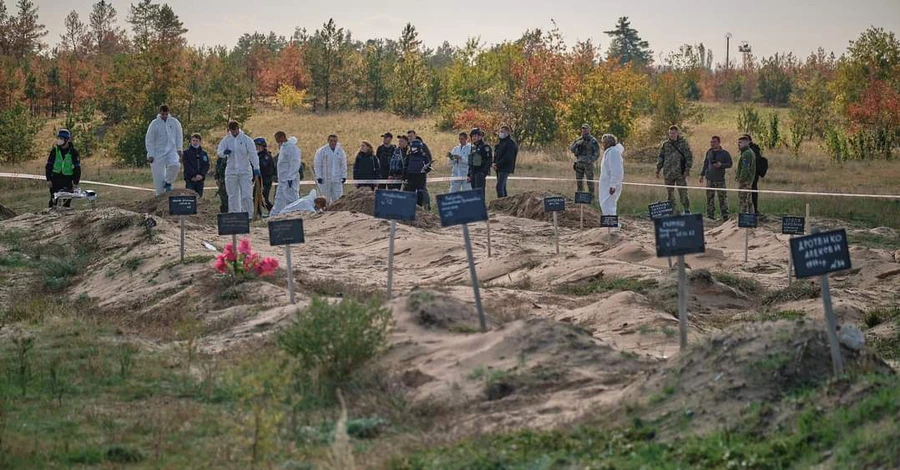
{"type": "Point", "coordinates": [196, 146]}
{"type": "Point", "coordinates": [60, 142]}
{"type": "Point", "coordinates": [504, 135]}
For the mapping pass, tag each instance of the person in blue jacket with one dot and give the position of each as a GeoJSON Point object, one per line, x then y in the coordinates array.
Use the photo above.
{"type": "Point", "coordinates": [196, 166]}
{"type": "Point", "coordinates": [63, 168]}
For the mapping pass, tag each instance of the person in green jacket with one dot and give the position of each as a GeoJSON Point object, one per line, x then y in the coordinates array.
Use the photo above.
{"type": "Point", "coordinates": [63, 169]}
{"type": "Point", "coordinates": [746, 173]}
{"type": "Point", "coordinates": [675, 162]}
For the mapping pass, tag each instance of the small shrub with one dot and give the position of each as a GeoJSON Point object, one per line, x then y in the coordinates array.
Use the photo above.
{"type": "Point", "coordinates": [882, 315]}
{"type": "Point", "coordinates": [782, 315]}
{"type": "Point", "coordinates": [117, 223]}
{"type": "Point", "coordinates": [746, 285]}
{"type": "Point", "coordinates": [123, 455]}
{"type": "Point", "coordinates": [749, 121]}
{"type": "Point", "coordinates": [602, 284]}
{"type": "Point", "coordinates": [336, 338]}
{"type": "Point", "coordinates": [126, 360]}
{"type": "Point", "coordinates": [799, 290]}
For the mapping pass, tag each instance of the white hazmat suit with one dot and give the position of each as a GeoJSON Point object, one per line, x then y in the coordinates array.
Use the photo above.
{"type": "Point", "coordinates": [241, 161]}
{"type": "Point", "coordinates": [330, 165]}
{"type": "Point", "coordinates": [288, 176]}
{"type": "Point", "coordinates": [459, 167]}
{"type": "Point", "coordinates": [612, 174]}
{"type": "Point", "coordinates": [163, 141]}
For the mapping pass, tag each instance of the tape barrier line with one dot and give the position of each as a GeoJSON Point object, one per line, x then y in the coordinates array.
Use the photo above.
{"type": "Point", "coordinates": [447, 179]}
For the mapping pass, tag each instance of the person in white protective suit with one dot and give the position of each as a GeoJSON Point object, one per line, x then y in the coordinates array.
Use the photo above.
{"type": "Point", "coordinates": [288, 173]}
{"type": "Point", "coordinates": [330, 166]}
{"type": "Point", "coordinates": [242, 166]}
{"type": "Point", "coordinates": [164, 140]}
{"type": "Point", "coordinates": [459, 164]}
{"type": "Point", "coordinates": [612, 174]}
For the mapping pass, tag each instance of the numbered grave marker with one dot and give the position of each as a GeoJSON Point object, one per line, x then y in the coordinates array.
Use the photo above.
{"type": "Point", "coordinates": [747, 221]}
{"type": "Point", "coordinates": [679, 236]}
{"type": "Point", "coordinates": [394, 206]}
{"type": "Point", "coordinates": [182, 206]}
{"type": "Point", "coordinates": [609, 221]}
{"type": "Point", "coordinates": [793, 226]}
{"type": "Point", "coordinates": [285, 233]}
{"type": "Point", "coordinates": [582, 198]}
{"type": "Point", "coordinates": [661, 209]}
{"type": "Point", "coordinates": [553, 205]}
{"type": "Point", "coordinates": [463, 208]}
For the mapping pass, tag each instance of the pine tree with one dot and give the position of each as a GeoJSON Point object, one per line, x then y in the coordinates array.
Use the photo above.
{"type": "Point", "coordinates": [26, 31]}
{"type": "Point", "coordinates": [410, 75]}
{"type": "Point", "coordinates": [626, 46]}
{"type": "Point", "coordinates": [326, 54]}
{"type": "Point", "coordinates": [103, 30]}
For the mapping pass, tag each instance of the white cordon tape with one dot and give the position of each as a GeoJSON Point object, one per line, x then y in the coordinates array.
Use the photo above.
{"type": "Point", "coordinates": [447, 179]}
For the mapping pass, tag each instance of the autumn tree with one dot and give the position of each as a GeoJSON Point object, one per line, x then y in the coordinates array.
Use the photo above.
{"type": "Point", "coordinates": [774, 80]}
{"type": "Point", "coordinates": [25, 31]}
{"type": "Point", "coordinates": [607, 100]}
{"type": "Point", "coordinates": [627, 46]}
{"type": "Point", "coordinates": [105, 36]}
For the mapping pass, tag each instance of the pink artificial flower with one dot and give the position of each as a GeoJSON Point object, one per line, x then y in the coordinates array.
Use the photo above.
{"type": "Point", "coordinates": [244, 247]}
{"type": "Point", "coordinates": [267, 267]}
{"type": "Point", "coordinates": [220, 264]}
{"type": "Point", "coordinates": [250, 261]}
{"type": "Point", "coordinates": [229, 254]}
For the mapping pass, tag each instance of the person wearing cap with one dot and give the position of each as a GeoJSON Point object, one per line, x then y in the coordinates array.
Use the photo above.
{"type": "Point", "coordinates": [418, 164]}
{"type": "Point", "coordinates": [163, 141]}
{"type": "Point", "coordinates": [675, 161]}
{"type": "Point", "coordinates": [505, 153]}
{"type": "Point", "coordinates": [289, 158]}
{"type": "Point", "coordinates": [266, 169]}
{"type": "Point", "coordinates": [459, 164]}
{"type": "Point", "coordinates": [330, 167]}
{"type": "Point", "coordinates": [384, 153]}
{"type": "Point", "coordinates": [397, 163]}
{"type": "Point", "coordinates": [586, 150]}
{"type": "Point", "coordinates": [241, 168]}
{"type": "Point", "coordinates": [480, 160]}
{"type": "Point", "coordinates": [63, 168]}
{"type": "Point", "coordinates": [746, 173]}
{"type": "Point", "coordinates": [196, 166]}
{"type": "Point", "coordinates": [366, 166]}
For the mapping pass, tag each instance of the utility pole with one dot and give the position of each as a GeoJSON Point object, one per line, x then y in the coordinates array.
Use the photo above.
{"type": "Point", "coordinates": [727, 50]}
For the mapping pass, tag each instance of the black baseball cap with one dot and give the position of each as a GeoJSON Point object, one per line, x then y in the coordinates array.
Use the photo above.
{"type": "Point", "coordinates": [476, 131]}
{"type": "Point", "coordinates": [387, 134]}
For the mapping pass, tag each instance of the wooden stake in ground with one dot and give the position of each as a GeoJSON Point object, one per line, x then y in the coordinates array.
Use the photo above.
{"type": "Point", "coordinates": [747, 221]}
{"type": "Point", "coordinates": [285, 233]}
{"type": "Point", "coordinates": [463, 208]}
{"type": "Point", "coordinates": [792, 226]}
{"type": "Point", "coordinates": [818, 255]}
{"type": "Point", "coordinates": [582, 199]}
{"type": "Point", "coordinates": [234, 224]}
{"type": "Point", "coordinates": [554, 204]}
{"type": "Point", "coordinates": [394, 206]}
{"type": "Point", "coordinates": [182, 206]}
{"type": "Point", "coordinates": [678, 236]}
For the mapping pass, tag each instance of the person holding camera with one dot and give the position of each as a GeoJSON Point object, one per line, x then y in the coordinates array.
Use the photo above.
{"type": "Point", "coordinates": [587, 151]}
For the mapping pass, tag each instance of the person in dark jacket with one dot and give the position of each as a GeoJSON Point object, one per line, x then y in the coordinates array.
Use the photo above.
{"type": "Point", "coordinates": [505, 153]}
{"type": "Point", "coordinates": [418, 164]}
{"type": "Point", "coordinates": [266, 169]}
{"type": "Point", "coordinates": [411, 135]}
{"type": "Point", "coordinates": [480, 159]}
{"type": "Point", "coordinates": [196, 166]}
{"type": "Point", "coordinates": [219, 175]}
{"type": "Point", "coordinates": [717, 161]}
{"type": "Point", "coordinates": [367, 166]}
{"type": "Point", "coordinates": [63, 168]}
{"type": "Point", "coordinates": [755, 187]}
{"type": "Point", "coordinates": [384, 153]}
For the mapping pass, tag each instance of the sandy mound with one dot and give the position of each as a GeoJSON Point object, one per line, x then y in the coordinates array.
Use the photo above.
{"type": "Point", "coordinates": [6, 213]}
{"type": "Point", "coordinates": [363, 200]}
{"type": "Point", "coordinates": [530, 205]}
{"type": "Point", "coordinates": [715, 380]}
{"type": "Point", "coordinates": [436, 310]}
{"type": "Point", "coordinates": [207, 208]}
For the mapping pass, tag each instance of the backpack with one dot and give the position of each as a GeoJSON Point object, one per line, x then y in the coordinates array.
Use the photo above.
{"type": "Point", "coordinates": [396, 165]}
{"type": "Point", "coordinates": [762, 163]}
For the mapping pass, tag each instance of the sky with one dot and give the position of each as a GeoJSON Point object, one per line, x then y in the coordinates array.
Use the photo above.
{"type": "Point", "coordinates": [769, 26]}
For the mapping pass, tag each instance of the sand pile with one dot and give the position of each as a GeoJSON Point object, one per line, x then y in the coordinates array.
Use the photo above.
{"type": "Point", "coordinates": [530, 205]}
{"type": "Point", "coordinates": [362, 200]}
{"type": "Point", "coordinates": [6, 213]}
{"type": "Point", "coordinates": [207, 207]}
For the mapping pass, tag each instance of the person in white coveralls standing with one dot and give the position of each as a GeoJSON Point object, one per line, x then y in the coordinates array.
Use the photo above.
{"type": "Point", "coordinates": [288, 189]}
{"type": "Point", "coordinates": [242, 166]}
{"type": "Point", "coordinates": [164, 141]}
{"type": "Point", "coordinates": [330, 166]}
{"type": "Point", "coordinates": [612, 174]}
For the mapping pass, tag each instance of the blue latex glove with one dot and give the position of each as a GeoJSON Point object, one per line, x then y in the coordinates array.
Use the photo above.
{"type": "Point", "coordinates": [227, 152]}
{"type": "Point", "coordinates": [320, 180]}
{"type": "Point", "coordinates": [343, 180]}
{"type": "Point", "coordinates": [256, 173]}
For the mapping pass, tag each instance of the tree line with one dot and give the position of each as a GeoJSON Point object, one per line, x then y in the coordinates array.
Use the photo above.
{"type": "Point", "coordinates": [107, 81]}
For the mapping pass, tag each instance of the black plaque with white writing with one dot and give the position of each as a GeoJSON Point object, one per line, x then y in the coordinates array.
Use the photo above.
{"type": "Point", "coordinates": [748, 220]}
{"type": "Point", "coordinates": [583, 198]}
{"type": "Point", "coordinates": [554, 204]}
{"type": "Point", "coordinates": [182, 205]}
{"type": "Point", "coordinates": [286, 232]}
{"type": "Point", "coordinates": [609, 221]}
{"type": "Point", "coordinates": [820, 253]}
{"type": "Point", "coordinates": [235, 223]}
{"type": "Point", "coordinates": [661, 209]}
{"type": "Point", "coordinates": [793, 225]}
{"type": "Point", "coordinates": [395, 205]}
{"type": "Point", "coordinates": [679, 235]}
{"type": "Point", "coordinates": [464, 207]}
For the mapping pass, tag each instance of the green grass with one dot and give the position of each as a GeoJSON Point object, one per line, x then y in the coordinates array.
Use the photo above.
{"type": "Point", "coordinates": [743, 284]}
{"type": "Point", "coordinates": [873, 240]}
{"type": "Point", "coordinates": [860, 435]}
{"type": "Point", "coordinates": [603, 284]}
{"type": "Point", "coordinates": [798, 290]}
{"type": "Point", "coordinates": [878, 316]}
{"type": "Point", "coordinates": [780, 315]}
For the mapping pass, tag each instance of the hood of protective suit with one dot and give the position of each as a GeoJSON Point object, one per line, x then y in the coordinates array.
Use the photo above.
{"type": "Point", "coordinates": [289, 160]}
{"type": "Point", "coordinates": [164, 138]}
{"type": "Point", "coordinates": [292, 140]}
{"type": "Point", "coordinates": [330, 165]}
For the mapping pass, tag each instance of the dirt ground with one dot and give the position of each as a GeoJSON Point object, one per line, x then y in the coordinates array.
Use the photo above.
{"type": "Point", "coordinates": [557, 346]}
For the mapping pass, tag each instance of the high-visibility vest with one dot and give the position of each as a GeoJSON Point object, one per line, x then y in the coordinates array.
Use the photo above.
{"type": "Point", "coordinates": [63, 165]}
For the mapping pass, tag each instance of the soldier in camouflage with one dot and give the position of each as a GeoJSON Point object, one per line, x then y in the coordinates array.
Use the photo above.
{"type": "Point", "coordinates": [746, 173]}
{"type": "Point", "coordinates": [717, 161]}
{"type": "Point", "coordinates": [675, 162]}
{"type": "Point", "coordinates": [587, 151]}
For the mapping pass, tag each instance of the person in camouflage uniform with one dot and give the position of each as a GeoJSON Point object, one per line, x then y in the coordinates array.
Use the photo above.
{"type": "Point", "coordinates": [746, 173]}
{"type": "Point", "coordinates": [587, 151]}
{"type": "Point", "coordinates": [717, 161]}
{"type": "Point", "coordinates": [220, 182]}
{"type": "Point", "coordinates": [675, 162]}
